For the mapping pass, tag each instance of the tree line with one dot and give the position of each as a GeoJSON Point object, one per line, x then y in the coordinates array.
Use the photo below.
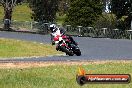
{"type": "Point", "coordinates": [78, 12]}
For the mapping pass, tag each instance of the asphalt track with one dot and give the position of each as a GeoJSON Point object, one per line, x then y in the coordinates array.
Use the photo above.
{"type": "Point", "coordinates": [92, 48]}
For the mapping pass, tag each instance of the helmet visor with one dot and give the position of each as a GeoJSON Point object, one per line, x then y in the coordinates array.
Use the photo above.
{"type": "Point", "coordinates": [51, 29]}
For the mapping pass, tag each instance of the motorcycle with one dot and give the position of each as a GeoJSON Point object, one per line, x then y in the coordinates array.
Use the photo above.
{"type": "Point", "coordinates": [64, 44]}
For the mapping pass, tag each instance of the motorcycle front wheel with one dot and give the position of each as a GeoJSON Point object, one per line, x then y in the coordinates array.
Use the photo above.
{"type": "Point", "coordinates": [78, 52]}
{"type": "Point", "coordinates": [68, 52]}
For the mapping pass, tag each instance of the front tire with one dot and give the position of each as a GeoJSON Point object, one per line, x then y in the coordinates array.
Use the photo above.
{"type": "Point", "coordinates": [78, 52]}
{"type": "Point", "coordinates": [63, 49]}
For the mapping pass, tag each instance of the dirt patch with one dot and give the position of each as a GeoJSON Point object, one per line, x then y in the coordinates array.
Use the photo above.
{"type": "Point", "coordinates": [4, 65]}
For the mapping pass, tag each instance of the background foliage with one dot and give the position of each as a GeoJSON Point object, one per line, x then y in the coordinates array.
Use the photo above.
{"type": "Point", "coordinates": [43, 10]}
{"type": "Point", "coordinates": [83, 12]}
{"type": "Point", "coordinates": [122, 9]}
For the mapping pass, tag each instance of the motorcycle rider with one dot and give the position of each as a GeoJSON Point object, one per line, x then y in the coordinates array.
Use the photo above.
{"type": "Point", "coordinates": [59, 31]}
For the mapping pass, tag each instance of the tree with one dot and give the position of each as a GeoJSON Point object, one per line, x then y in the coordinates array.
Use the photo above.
{"type": "Point", "coordinates": [106, 5]}
{"type": "Point", "coordinates": [84, 12]}
{"type": "Point", "coordinates": [8, 9]}
{"type": "Point", "coordinates": [43, 10]}
{"type": "Point", "coordinates": [106, 21]}
{"type": "Point", "coordinates": [63, 6]}
{"type": "Point", "coordinates": [122, 8]}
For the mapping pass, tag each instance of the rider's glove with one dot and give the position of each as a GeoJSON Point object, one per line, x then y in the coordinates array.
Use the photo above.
{"type": "Point", "coordinates": [53, 43]}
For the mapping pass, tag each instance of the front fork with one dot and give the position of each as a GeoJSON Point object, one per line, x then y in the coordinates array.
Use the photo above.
{"type": "Point", "coordinates": [57, 48]}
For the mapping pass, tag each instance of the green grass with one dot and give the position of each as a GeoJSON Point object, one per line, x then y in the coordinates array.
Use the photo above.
{"type": "Point", "coordinates": [60, 76]}
{"type": "Point", "coordinates": [21, 17]}
{"type": "Point", "coordinates": [60, 19]}
{"type": "Point", "coordinates": [17, 48]}
{"type": "Point", "coordinates": [1, 13]}
{"type": "Point", "coordinates": [23, 13]}
{"type": "Point", "coordinates": [20, 13]}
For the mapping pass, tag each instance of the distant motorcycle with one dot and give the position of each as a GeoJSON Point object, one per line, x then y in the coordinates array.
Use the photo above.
{"type": "Point", "coordinates": [65, 45]}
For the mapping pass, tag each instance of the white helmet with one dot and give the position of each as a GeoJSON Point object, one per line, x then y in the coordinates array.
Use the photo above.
{"type": "Point", "coordinates": [53, 27]}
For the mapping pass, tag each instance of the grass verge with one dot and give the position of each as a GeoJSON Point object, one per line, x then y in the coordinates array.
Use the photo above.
{"type": "Point", "coordinates": [61, 75]}
{"type": "Point", "coordinates": [17, 48]}
{"type": "Point", "coordinates": [60, 19]}
{"type": "Point", "coordinates": [20, 13]}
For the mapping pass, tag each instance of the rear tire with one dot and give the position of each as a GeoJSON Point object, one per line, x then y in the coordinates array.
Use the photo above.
{"type": "Point", "coordinates": [63, 49]}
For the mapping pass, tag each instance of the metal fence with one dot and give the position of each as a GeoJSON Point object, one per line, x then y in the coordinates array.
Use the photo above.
{"type": "Point", "coordinates": [76, 31]}
{"type": "Point", "coordinates": [99, 33]}
{"type": "Point", "coordinates": [28, 26]}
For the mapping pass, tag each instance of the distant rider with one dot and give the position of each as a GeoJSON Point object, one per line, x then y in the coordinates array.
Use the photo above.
{"type": "Point", "coordinates": [59, 31]}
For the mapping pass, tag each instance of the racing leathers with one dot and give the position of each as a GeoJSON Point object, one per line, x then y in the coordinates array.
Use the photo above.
{"type": "Point", "coordinates": [61, 31]}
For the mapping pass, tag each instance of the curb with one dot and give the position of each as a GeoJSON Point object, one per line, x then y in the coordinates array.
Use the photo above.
{"type": "Point", "coordinates": [23, 31]}
{"type": "Point", "coordinates": [20, 58]}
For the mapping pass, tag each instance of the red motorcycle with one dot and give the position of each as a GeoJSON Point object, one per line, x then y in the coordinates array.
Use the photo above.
{"type": "Point", "coordinates": [64, 44]}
